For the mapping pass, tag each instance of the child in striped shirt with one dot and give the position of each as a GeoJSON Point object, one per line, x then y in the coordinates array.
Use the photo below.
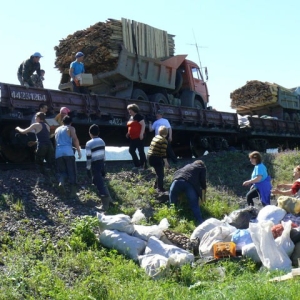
{"type": "Point", "coordinates": [95, 163]}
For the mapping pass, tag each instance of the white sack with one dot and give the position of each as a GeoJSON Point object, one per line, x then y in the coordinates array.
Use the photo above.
{"type": "Point", "coordinates": [145, 232]}
{"type": "Point", "coordinates": [251, 252]}
{"type": "Point", "coordinates": [118, 222]}
{"type": "Point", "coordinates": [271, 213]}
{"type": "Point", "coordinates": [215, 235]}
{"type": "Point", "coordinates": [137, 217]}
{"type": "Point", "coordinates": [204, 227]}
{"type": "Point", "coordinates": [123, 243]}
{"type": "Point", "coordinates": [154, 265]}
{"type": "Point", "coordinates": [155, 246]}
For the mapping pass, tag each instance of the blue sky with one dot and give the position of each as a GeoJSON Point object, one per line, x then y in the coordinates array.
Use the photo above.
{"type": "Point", "coordinates": [238, 40]}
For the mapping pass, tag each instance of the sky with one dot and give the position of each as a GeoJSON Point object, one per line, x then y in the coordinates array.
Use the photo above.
{"type": "Point", "coordinates": [237, 40]}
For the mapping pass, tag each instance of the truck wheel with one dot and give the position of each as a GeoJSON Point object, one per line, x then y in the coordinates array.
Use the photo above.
{"type": "Point", "coordinates": [139, 94]}
{"type": "Point", "coordinates": [178, 82]}
{"type": "Point", "coordinates": [198, 104]}
{"type": "Point", "coordinates": [159, 98]}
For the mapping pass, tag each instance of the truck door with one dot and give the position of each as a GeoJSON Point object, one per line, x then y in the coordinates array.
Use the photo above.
{"type": "Point", "coordinates": [197, 83]}
{"type": "Point", "coordinates": [193, 80]}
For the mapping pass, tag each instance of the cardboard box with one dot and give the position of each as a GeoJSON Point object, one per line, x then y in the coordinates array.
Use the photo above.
{"type": "Point", "coordinates": [52, 122]}
{"type": "Point", "coordinates": [86, 79]}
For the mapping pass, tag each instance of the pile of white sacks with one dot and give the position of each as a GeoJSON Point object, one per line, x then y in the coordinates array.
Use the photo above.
{"type": "Point", "coordinates": [141, 243]}
{"type": "Point", "coordinates": [147, 245]}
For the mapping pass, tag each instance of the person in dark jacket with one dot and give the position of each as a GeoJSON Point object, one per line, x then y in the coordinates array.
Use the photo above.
{"type": "Point", "coordinates": [191, 181]}
{"type": "Point", "coordinates": [27, 68]}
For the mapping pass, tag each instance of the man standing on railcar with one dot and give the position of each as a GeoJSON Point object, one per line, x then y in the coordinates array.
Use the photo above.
{"type": "Point", "coordinates": [27, 68]}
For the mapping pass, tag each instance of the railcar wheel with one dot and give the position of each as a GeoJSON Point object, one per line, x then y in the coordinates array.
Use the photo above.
{"type": "Point", "coordinates": [198, 146]}
{"type": "Point", "coordinates": [11, 148]}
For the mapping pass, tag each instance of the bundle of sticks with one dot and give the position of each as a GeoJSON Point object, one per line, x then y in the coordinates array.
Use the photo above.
{"type": "Point", "coordinates": [101, 44]}
{"type": "Point", "coordinates": [254, 93]}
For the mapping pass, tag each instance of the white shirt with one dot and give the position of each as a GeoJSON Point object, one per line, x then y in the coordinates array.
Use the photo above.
{"type": "Point", "coordinates": [160, 122]}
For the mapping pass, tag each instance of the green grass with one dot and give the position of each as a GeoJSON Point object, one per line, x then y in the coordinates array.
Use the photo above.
{"type": "Point", "coordinates": [77, 267]}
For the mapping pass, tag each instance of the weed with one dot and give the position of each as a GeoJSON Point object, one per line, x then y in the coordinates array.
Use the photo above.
{"type": "Point", "coordinates": [82, 232]}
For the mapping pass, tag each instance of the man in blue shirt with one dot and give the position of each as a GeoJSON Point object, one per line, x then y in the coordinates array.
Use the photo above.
{"type": "Point", "coordinates": [76, 69]}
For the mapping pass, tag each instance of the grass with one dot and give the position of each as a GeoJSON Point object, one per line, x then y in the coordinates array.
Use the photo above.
{"type": "Point", "coordinates": [77, 267]}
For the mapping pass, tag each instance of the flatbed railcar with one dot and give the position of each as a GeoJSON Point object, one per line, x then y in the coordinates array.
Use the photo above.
{"type": "Point", "coordinates": [195, 130]}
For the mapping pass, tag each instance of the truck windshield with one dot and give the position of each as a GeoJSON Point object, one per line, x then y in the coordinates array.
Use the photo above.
{"type": "Point", "coordinates": [196, 73]}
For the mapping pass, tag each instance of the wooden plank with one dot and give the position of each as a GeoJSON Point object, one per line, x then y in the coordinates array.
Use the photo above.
{"type": "Point", "coordinates": [129, 30]}
{"type": "Point", "coordinates": [124, 33]}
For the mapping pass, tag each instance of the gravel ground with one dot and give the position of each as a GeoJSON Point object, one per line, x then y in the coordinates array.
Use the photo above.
{"type": "Point", "coordinates": [29, 202]}
{"type": "Point", "coordinates": [35, 204]}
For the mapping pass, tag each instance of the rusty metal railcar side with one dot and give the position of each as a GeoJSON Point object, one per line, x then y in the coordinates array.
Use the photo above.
{"type": "Point", "coordinates": [194, 130]}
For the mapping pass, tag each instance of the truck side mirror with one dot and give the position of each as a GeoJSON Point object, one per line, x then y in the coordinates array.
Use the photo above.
{"type": "Point", "coordinates": [206, 73]}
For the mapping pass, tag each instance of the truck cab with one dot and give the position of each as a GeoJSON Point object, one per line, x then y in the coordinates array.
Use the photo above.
{"type": "Point", "coordinates": [194, 92]}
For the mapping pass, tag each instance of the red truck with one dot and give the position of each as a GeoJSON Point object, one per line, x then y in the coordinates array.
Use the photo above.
{"type": "Point", "coordinates": [175, 80]}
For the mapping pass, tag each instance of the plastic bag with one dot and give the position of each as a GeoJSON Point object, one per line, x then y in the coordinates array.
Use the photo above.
{"type": "Point", "coordinates": [241, 237]}
{"type": "Point", "coordinates": [240, 218]}
{"type": "Point", "coordinates": [284, 240]}
{"type": "Point", "coordinates": [271, 213]}
{"type": "Point", "coordinates": [123, 243]}
{"type": "Point", "coordinates": [271, 256]}
{"type": "Point", "coordinates": [296, 254]}
{"type": "Point", "coordinates": [295, 235]}
{"type": "Point", "coordinates": [289, 204]}
{"type": "Point", "coordinates": [118, 222]}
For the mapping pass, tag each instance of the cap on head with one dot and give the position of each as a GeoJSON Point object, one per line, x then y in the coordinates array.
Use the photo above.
{"type": "Point", "coordinates": [159, 112]}
{"type": "Point", "coordinates": [37, 54]}
{"type": "Point", "coordinates": [64, 110]}
{"type": "Point", "coordinates": [79, 54]}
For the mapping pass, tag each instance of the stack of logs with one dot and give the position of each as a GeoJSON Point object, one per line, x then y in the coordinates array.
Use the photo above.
{"type": "Point", "coordinates": [254, 93]}
{"type": "Point", "coordinates": [101, 44]}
